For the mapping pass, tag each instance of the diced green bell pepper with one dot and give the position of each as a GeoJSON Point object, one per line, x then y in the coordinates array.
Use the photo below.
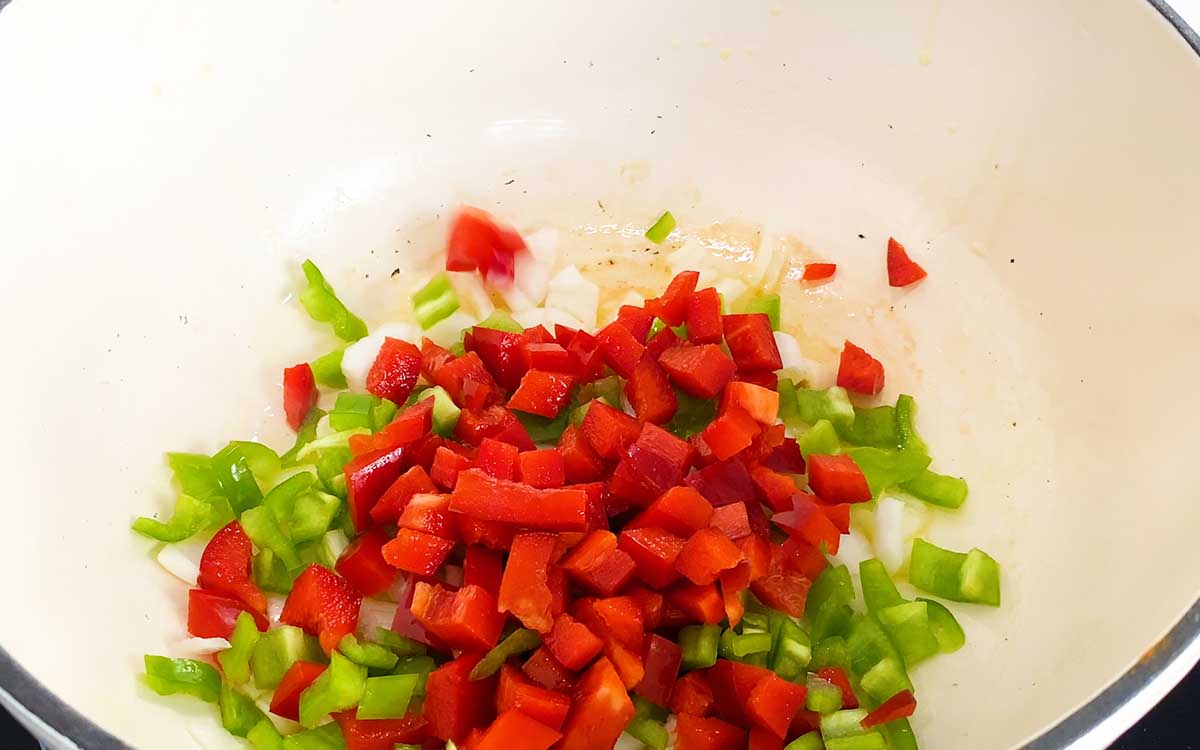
{"type": "Point", "coordinates": [322, 304]}
{"type": "Point", "coordinates": [844, 723]}
{"type": "Point", "coordinates": [764, 303]}
{"type": "Point", "coordinates": [331, 465]}
{"type": "Point", "coordinates": [887, 468]}
{"type": "Point", "coordinates": [259, 524]}
{"type": "Point", "coordinates": [435, 301]}
{"type": "Point", "coordinates": [937, 489]}
{"type": "Point", "coordinates": [327, 369]}
{"type": "Point", "coordinates": [699, 644]}
{"type": "Point", "coordinates": [420, 666]}
{"type": "Point", "coordinates": [183, 676]}
{"type": "Point", "coordinates": [736, 647]}
{"type": "Point", "coordinates": [691, 416]}
{"type": "Point", "coordinates": [879, 591]}
{"type": "Point", "coordinates": [338, 688]}
{"type": "Point", "coordinates": [830, 652]}
{"type": "Point", "coordinates": [652, 734]}
{"type": "Point", "coordinates": [305, 435]}
{"type": "Point", "coordinates": [661, 229]}
{"type": "Point", "coordinates": [823, 697]}
{"type": "Point", "coordinates": [821, 439]}
{"type": "Point", "coordinates": [326, 737]}
{"type": "Point", "coordinates": [908, 626]}
{"type": "Point", "coordinates": [828, 606]}
{"type": "Point", "coordinates": [270, 573]}
{"type": "Point", "coordinates": [792, 650]}
{"type": "Point", "coordinates": [906, 425]}
{"type": "Point", "coordinates": [517, 642]}
{"type": "Point", "coordinates": [360, 411]}
{"type": "Point", "coordinates": [189, 517]}
{"type": "Point", "coordinates": [832, 404]}
{"type": "Point", "coordinates": [235, 660]}
{"type": "Point", "coordinates": [868, 647]}
{"type": "Point", "coordinates": [501, 321]}
{"type": "Point", "coordinates": [387, 697]}
{"type": "Point", "coordinates": [194, 474]}
{"type": "Point", "coordinates": [979, 580]}
{"type": "Point", "coordinates": [369, 655]}
{"type": "Point", "coordinates": [899, 735]}
{"type": "Point", "coordinates": [962, 577]}
{"type": "Point", "coordinates": [398, 644]}
{"type": "Point", "coordinates": [264, 736]}
{"type": "Point", "coordinates": [868, 741]}
{"type": "Point", "coordinates": [810, 741]}
{"type": "Point", "coordinates": [239, 467]}
{"type": "Point", "coordinates": [946, 630]}
{"type": "Point", "coordinates": [885, 679]}
{"type": "Point", "coordinates": [875, 427]}
{"type": "Point", "coordinates": [648, 709]}
{"type": "Point", "coordinates": [239, 714]}
{"type": "Point", "coordinates": [445, 411]}
{"type": "Point", "coordinates": [277, 650]}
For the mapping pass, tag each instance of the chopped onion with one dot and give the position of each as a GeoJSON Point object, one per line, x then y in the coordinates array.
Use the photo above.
{"type": "Point", "coordinates": [532, 273]}
{"type": "Point", "coordinates": [889, 532]}
{"type": "Point", "coordinates": [359, 356]}
{"type": "Point", "coordinates": [789, 354]}
{"type": "Point", "coordinates": [448, 331]}
{"type": "Point", "coordinates": [570, 292]}
{"type": "Point", "coordinates": [627, 742]}
{"type": "Point", "coordinates": [692, 255]}
{"type": "Point", "coordinates": [375, 614]}
{"type": "Point", "coordinates": [275, 604]}
{"type": "Point", "coordinates": [399, 588]}
{"type": "Point", "coordinates": [853, 549]}
{"type": "Point", "coordinates": [731, 289]}
{"type": "Point", "coordinates": [471, 293]}
{"type": "Point", "coordinates": [182, 560]}
{"type": "Point", "coordinates": [337, 542]}
{"type": "Point", "coordinates": [192, 647]}
{"type": "Point", "coordinates": [546, 316]}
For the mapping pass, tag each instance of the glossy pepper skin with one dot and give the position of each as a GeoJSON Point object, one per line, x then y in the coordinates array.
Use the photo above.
{"type": "Point", "coordinates": [454, 703]}
{"type": "Point", "coordinates": [478, 242]}
{"type": "Point", "coordinates": [523, 589]}
{"type": "Point", "coordinates": [395, 371]}
{"type": "Point", "coordinates": [362, 564]}
{"type": "Point", "coordinates": [902, 270]}
{"type": "Point", "coordinates": [859, 372]}
{"type": "Point", "coordinates": [484, 498]}
{"type": "Point", "coordinates": [225, 568]}
{"type": "Point", "coordinates": [322, 604]}
{"type": "Point", "coordinates": [600, 712]}
{"type": "Point", "coordinates": [751, 342]}
{"type": "Point", "coordinates": [699, 370]}
{"type": "Point", "coordinates": [299, 394]}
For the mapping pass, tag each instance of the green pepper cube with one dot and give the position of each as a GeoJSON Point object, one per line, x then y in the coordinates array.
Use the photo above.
{"type": "Point", "coordinates": [321, 303]}
{"type": "Point", "coordinates": [652, 734]}
{"type": "Point", "coordinates": [517, 642]}
{"type": "Point", "coordinates": [239, 714]}
{"type": "Point", "coordinates": [661, 229]}
{"type": "Point", "coordinates": [338, 688]}
{"type": "Point", "coordinates": [868, 741]}
{"type": "Point", "coordinates": [908, 626]}
{"type": "Point", "coordinates": [235, 660]}
{"type": "Point", "coordinates": [501, 321]}
{"type": "Point", "coordinates": [823, 697]}
{"type": "Point", "coordinates": [937, 489]}
{"type": "Point", "coordinates": [435, 301]}
{"type": "Point", "coordinates": [326, 737]}
{"type": "Point", "coordinates": [845, 723]}
{"type": "Point", "coordinates": [768, 304]}
{"type": "Point", "coordinates": [946, 630]}
{"type": "Point", "coordinates": [875, 427]}
{"type": "Point", "coordinates": [810, 741]}
{"type": "Point", "coordinates": [387, 697]}
{"type": "Point", "coordinates": [277, 650]}
{"type": "Point", "coordinates": [398, 644]}
{"type": "Point", "coordinates": [183, 676]}
{"type": "Point", "coordinates": [906, 425]}
{"type": "Point", "coordinates": [445, 411]}
{"type": "Point", "coordinates": [879, 591]}
{"type": "Point", "coordinates": [327, 369]}
{"type": "Point", "coordinates": [821, 440]}
{"type": "Point", "coordinates": [979, 578]}
{"type": "Point", "coordinates": [832, 404]}
{"type": "Point", "coordinates": [885, 679]}
{"type": "Point", "coordinates": [264, 736]}
{"type": "Point", "coordinates": [370, 655]}
{"type": "Point", "coordinates": [699, 644]}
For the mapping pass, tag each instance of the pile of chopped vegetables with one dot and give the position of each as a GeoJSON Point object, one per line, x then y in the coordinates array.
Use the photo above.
{"type": "Point", "coordinates": [542, 536]}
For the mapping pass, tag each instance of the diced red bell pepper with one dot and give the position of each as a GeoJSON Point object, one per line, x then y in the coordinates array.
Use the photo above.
{"type": "Point", "coordinates": [653, 552]}
{"type": "Point", "coordinates": [608, 430]}
{"type": "Point", "coordinates": [837, 479]}
{"type": "Point", "coordinates": [705, 554]}
{"type": "Point", "coordinates": [859, 372]}
{"type": "Point", "coordinates": [650, 602]}
{"type": "Point", "coordinates": [786, 458]}
{"type": "Point", "coordinates": [803, 722]}
{"type": "Point", "coordinates": [500, 352]}
{"type": "Point", "coordinates": [586, 350]}
{"type": "Point", "coordinates": [543, 469]}
{"type": "Point", "coordinates": [723, 482]}
{"type": "Point", "coordinates": [446, 467]}
{"type": "Point", "coordinates": [497, 459]}
{"type": "Point", "coordinates": [597, 518]}
{"type": "Point", "coordinates": [563, 334]}
{"type": "Point", "coordinates": [775, 488]}
{"type": "Point", "coordinates": [430, 514]}
{"type": "Point", "coordinates": [381, 734]}
{"type": "Point", "coordinates": [299, 393]}
{"type": "Point", "coordinates": [835, 676]}
{"type": "Point", "coordinates": [650, 393]}
{"type": "Point", "coordinates": [699, 733]}
{"type": "Point", "coordinates": [494, 422]}
{"type": "Point", "coordinates": [580, 462]}
{"type": "Point", "coordinates": [548, 357]}
{"type": "Point", "coordinates": [774, 702]}
{"type": "Point", "coordinates": [406, 625]}
{"type": "Point", "coordinates": [482, 567]}
{"type": "Point", "coordinates": [768, 379]}
{"type": "Point", "coordinates": [597, 563]}
{"type": "Point", "coordinates": [760, 403]}
{"type": "Point", "coordinates": [517, 693]}
{"type": "Point", "coordinates": [513, 729]}
{"type": "Point", "coordinates": [417, 552]}
{"type": "Point", "coordinates": [637, 320]}
{"type": "Point", "coordinates": [536, 335]}
{"type": "Point", "coordinates": [704, 317]}
{"type": "Point", "coordinates": [699, 370]}
{"type": "Point", "coordinates": [700, 603]}
{"type": "Point", "coordinates": [763, 739]}
{"type": "Point", "coordinates": [660, 342]}
{"type": "Point", "coordinates": [433, 357]}
{"type": "Point", "coordinates": [467, 380]}
{"type": "Point", "coordinates": [523, 590]}
{"type": "Point", "coordinates": [672, 306]}
{"type": "Point", "coordinates": [732, 520]}
{"type": "Point", "coordinates": [395, 499]}
{"type": "Point", "coordinates": [692, 695]}
{"type": "Point", "coordinates": [486, 499]}
{"type": "Point", "coordinates": [367, 478]}
{"type": "Point", "coordinates": [807, 522]}
{"type": "Point", "coordinates": [408, 427]}
{"type": "Point", "coordinates": [395, 371]}
{"type": "Point", "coordinates": [616, 618]}
{"type": "Point", "coordinates": [545, 670]}
{"type": "Point", "coordinates": [819, 271]}
{"type": "Point", "coordinates": [285, 701]}
{"type": "Point", "coordinates": [600, 712]}
{"type": "Point", "coordinates": [783, 591]}
{"type": "Point", "coordinates": [542, 393]}
{"type": "Point", "coordinates": [466, 619]}
{"type": "Point", "coordinates": [839, 516]}
{"type": "Point", "coordinates": [654, 463]}
{"type": "Point", "coordinates": [757, 550]}
{"type": "Point", "coordinates": [899, 706]}
{"type": "Point", "coordinates": [478, 242]}
{"type": "Point", "coordinates": [733, 683]}
{"type": "Point", "coordinates": [454, 703]}
{"type": "Point", "coordinates": [620, 348]}
{"type": "Point", "coordinates": [730, 433]}
{"type": "Point", "coordinates": [751, 342]}
{"type": "Point", "coordinates": [225, 568]}
{"type": "Point", "coordinates": [322, 604]}
{"type": "Point", "coordinates": [734, 583]}
{"type": "Point", "coordinates": [627, 662]}
{"type": "Point", "coordinates": [681, 511]}
{"type": "Point", "coordinates": [491, 534]}
{"type": "Point", "coordinates": [572, 643]}
{"type": "Point", "coordinates": [362, 564]}
{"type": "Point", "coordinates": [213, 615]}
{"type": "Point", "coordinates": [902, 270]}
{"type": "Point", "coordinates": [661, 663]}
{"type": "Point", "coordinates": [801, 558]}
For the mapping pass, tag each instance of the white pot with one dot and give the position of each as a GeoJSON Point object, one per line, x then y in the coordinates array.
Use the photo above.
{"type": "Point", "coordinates": [163, 165]}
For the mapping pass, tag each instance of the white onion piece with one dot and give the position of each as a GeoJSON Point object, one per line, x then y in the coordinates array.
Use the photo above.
{"type": "Point", "coordinates": [853, 549]}
{"type": "Point", "coordinates": [337, 542]}
{"type": "Point", "coordinates": [532, 270]}
{"type": "Point", "coordinates": [275, 604]}
{"type": "Point", "coordinates": [731, 289]}
{"type": "Point", "coordinates": [631, 298]}
{"type": "Point", "coordinates": [399, 588]}
{"type": "Point", "coordinates": [628, 742]}
{"type": "Point", "coordinates": [193, 647]}
{"type": "Point", "coordinates": [789, 354]}
{"type": "Point", "coordinates": [472, 295]}
{"type": "Point", "coordinates": [182, 560]}
{"type": "Point", "coordinates": [546, 316]}
{"type": "Point", "coordinates": [691, 256]}
{"type": "Point", "coordinates": [889, 532]}
{"type": "Point", "coordinates": [570, 292]}
{"type": "Point", "coordinates": [375, 614]}
{"type": "Point", "coordinates": [448, 331]}
{"type": "Point", "coordinates": [515, 298]}
{"type": "Point", "coordinates": [359, 356]}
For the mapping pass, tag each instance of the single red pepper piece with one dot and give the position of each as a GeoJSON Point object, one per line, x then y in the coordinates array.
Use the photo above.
{"type": "Point", "coordinates": [299, 394]}
{"type": "Point", "coordinates": [406, 625]}
{"type": "Point", "coordinates": [466, 619]}
{"type": "Point", "coordinates": [661, 662]}
{"type": "Point", "coordinates": [523, 590]}
{"type": "Point", "coordinates": [774, 702]}
{"type": "Point", "coordinates": [902, 270]}
{"type": "Point", "coordinates": [819, 271]}
{"type": "Point", "coordinates": [381, 734]}
{"type": "Point", "coordinates": [542, 393]}
{"type": "Point", "coordinates": [615, 618]}
{"type": "Point", "coordinates": [723, 482]}
{"type": "Point", "coordinates": [225, 568]}
{"type": "Point", "coordinates": [692, 695]}
{"type": "Point", "coordinates": [637, 320]}
{"type": "Point", "coordinates": [705, 554]}
{"type": "Point", "coordinates": [654, 553]}
{"type": "Point", "coordinates": [417, 552]}
{"type": "Point", "coordinates": [681, 511]}
{"type": "Point", "coordinates": [433, 357]}
{"type": "Point", "coordinates": [545, 670]}
{"type": "Point", "coordinates": [775, 488]}
{"type": "Point", "coordinates": [395, 371]}
{"type": "Point", "coordinates": [467, 380]}
{"type": "Point", "coordinates": [730, 433]}
{"type": "Point", "coordinates": [760, 403]}
{"type": "Point", "coordinates": [699, 370]}
{"type": "Point", "coordinates": [628, 663]}
{"type": "Point", "coordinates": [835, 676]}
{"type": "Point", "coordinates": [479, 242]}
{"type": "Point", "coordinates": [607, 430]}
{"type": "Point", "coordinates": [620, 348]}
{"type": "Point", "coordinates": [763, 739]}
{"type": "Point", "coordinates": [598, 564]}
{"type": "Point", "coordinates": [497, 459]}
{"type": "Point", "coordinates": [859, 372]}
{"type": "Point", "coordinates": [672, 306]}
{"type": "Point", "coordinates": [783, 590]}
{"type": "Point", "coordinates": [734, 583]}
{"type": "Point", "coordinates": [548, 357]}
{"type": "Point", "coordinates": [362, 564]}
{"type": "Point", "coordinates": [285, 701]}
{"type": "Point", "coordinates": [580, 462]}
{"type": "Point", "coordinates": [586, 350]}
{"type": "Point", "coordinates": [704, 317]}
{"type": "Point", "coordinates": [801, 558]}
{"type": "Point", "coordinates": [660, 342]}
{"type": "Point", "coordinates": [491, 534]}
{"type": "Point", "coordinates": [446, 467]}
{"type": "Point", "coordinates": [543, 469]}
{"type": "Point", "coordinates": [757, 550]}
{"type": "Point", "coordinates": [516, 693]}
{"type": "Point", "coordinates": [839, 516]}
{"type": "Point", "coordinates": [785, 458]}
{"type": "Point", "coordinates": [494, 422]}
{"type": "Point", "coordinates": [600, 712]}
{"type": "Point", "coordinates": [486, 499]}
{"type": "Point", "coordinates": [513, 729]}
{"type": "Point", "coordinates": [698, 733]}
{"type": "Point", "coordinates": [367, 478]}
{"type": "Point", "coordinates": [408, 427]}
{"type": "Point", "coordinates": [803, 722]}
{"type": "Point", "coordinates": [732, 520]}
{"type": "Point", "coordinates": [762, 378]}
{"type": "Point", "coordinates": [597, 518]}
{"type": "Point", "coordinates": [500, 353]}
{"type": "Point", "coordinates": [430, 514]}
{"type": "Point", "coordinates": [395, 499]}
{"type": "Point", "coordinates": [806, 522]}
{"type": "Point", "coordinates": [322, 604]}
{"type": "Point", "coordinates": [732, 684]}
{"type": "Point", "coordinates": [751, 342]}
{"type": "Point", "coordinates": [650, 393]}
{"type": "Point", "coordinates": [213, 615]}
{"type": "Point", "coordinates": [454, 703]}
{"type": "Point", "coordinates": [572, 643]}
{"type": "Point", "coordinates": [654, 463]}
{"type": "Point", "coordinates": [564, 334]}
{"type": "Point", "coordinates": [899, 706]}
{"type": "Point", "coordinates": [837, 479]}
{"type": "Point", "coordinates": [768, 439]}
{"type": "Point", "coordinates": [482, 567]}
{"type": "Point", "coordinates": [700, 603]}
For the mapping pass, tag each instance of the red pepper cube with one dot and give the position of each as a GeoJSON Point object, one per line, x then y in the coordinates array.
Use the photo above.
{"type": "Point", "coordinates": [859, 372]}
{"type": "Point", "coordinates": [466, 379]}
{"type": "Point", "coordinates": [699, 603]}
{"type": "Point", "coordinates": [410, 425]}
{"type": "Point", "coordinates": [732, 684]}
{"type": "Point", "coordinates": [598, 564]}
{"type": "Point", "coordinates": [732, 520]}
{"type": "Point", "coordinates": [650, 393]}
{"type": "Point", "coordinates": [835, 676]}
{"type": "Point", "coordinates": [454, 703]}
{"type": "Point", "coordinates": [653, 552]}
{"type": "Point", "coordinates": [705, 554]}
{"type": "Point", "coordinates": [478, 496]}
{"type": "Point", "coordinates": [500, 353]}
{"type": "Point", "coordinates": [429, 514]}
{"type": "Point", "coordinates": [433, 357]}
{"type": "Point", "coordinates": [395, 371]}
{"type": "Point", "coordinates": [619, 619]}
{"type": "Point", "coordinates": [723, 482]}
{"type": "Point", "coordinates": [446, 467]}
{"type": "Point", "coordinates": [899, 706]}
{"type": "Point", "coordinates": [497, 459]}
{"type": "Point", "coordinates": [417, 552]}
{"type": "Point", "coordinates": [698, 733]}
{"type": "Point", "coordinates": [516, 693]}
{"type": "Point", "coordinates": [322, 604]}
{"type": "Point", "coordinates": [785, 458]}
{"type": "Point", "coordinates": [542, 393]}
{"type": "Point", "coordinates": [394, 500]}
{"type": "Point", "coordinates": [514, 729]}
{"type": "Point", "coordinates": [362, 564]}
{"type": "Point", "coordinates": [523, 590]}
{"type": "Point", "coordinates": [564, 334]}
{"type": "Point", "coordinates": [536, 335]}
{"type": "Point", "coordinates": [660, 342]}
{"type": "Point", "coordinates": [775, 488]}
{"type": "Point", "coordinates": [586, 350]}
{"type": "Point", "coordinates": [543, 469]}
{"type": "Point", "coordinates": [783, 590]}
{"type": "Point", "coordinates": [673, 305]}
{"type": "Point", "coordinates": [285, 701]}
{"type": "Point", "coordinates": [757, 550]}
{"type": "Point", "coordinates": [768, 379]}
{"type": "Point", "coordinates": [494, 535]}
{"type": "Point", "coordinates": [699, 370]}
{"type": "Point", "coordinates": [545, 670]}
{"type": "Point", "coordinates": [608, 430]}
{"type": "Point", "coordinates": [620, 348]}
{"type": "Point", "coordinates": [572, 643]}
{"type": "Point", "coordinates": [627, 662]}
{"type": "Point", "coordinates": [548, 357]}
{"type": "Point", "coordinates": [808, 523]}
{"type": "Point", "coordinates": [482, 567]}
{"type": "Point", "coordinates": [654, 463]}
{"type": "Point", "coordinates": [225, 568]}
{"type": "Point", "coordinates": [381, 734]}
{"type": "Point", "coordinates": [681, 511]}
{"type": "Point", "coordinates": [214, 616]}
{"type": "Point", "coordinates": [466, 619]}
{"type": "Point", "coordinates": [661, 664]}
{"type": "Point", "coordinates": [478, 242]}
{"type": "Point", "coordinates": [902, 270]}
{"type": "Point", "coordinates": [774, 702]}
{"type": "Point", "coordinates": [636, 320]}
{"type": "Point", "coordinates": [839, 516]}
{"type": "Point", "coordinates": [494, 422]}
{"type": "Point", "coordinates": [734, 583]}
{"type": "Point", "coordinates": [704, 317]}
{"type": "Point", "coordinates": [751, 342]}
{"type": "Point", "coordinates": [601, 710]}
{"type": "Point", "coordinates": [692, 695]}
{"type": "Point", "coordinates": [837, 479]}
{"type": "Point", "coordinates": [730, 433]}
{"type": "Point", "coordinates": [762, 404]}
{"type": "Point", "coordinates": [367, 478]}
{"type": "Point", "coordinates": [763, 739]}
{"type": "Point", "coordinates": [580, 462]}
{"type": "Point", "coordinates": [299, 394]}
{"type": "Point", "coordinates": [818, 271]}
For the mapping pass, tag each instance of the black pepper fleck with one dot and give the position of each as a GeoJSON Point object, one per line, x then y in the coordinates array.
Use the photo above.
{"type": "Point", "coordinates": [1012, 260]}
{"type": "Point", "coordinates": [862, 236]}
{"type": "Point", "coordinates": [395, 272]}
{"type": "Point", "coordinates": [511, 181]}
